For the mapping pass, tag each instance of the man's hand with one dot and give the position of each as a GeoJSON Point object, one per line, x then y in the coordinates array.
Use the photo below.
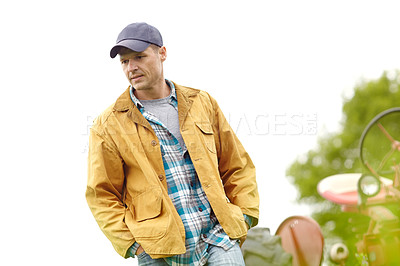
{"type": "Point", "coordinates": [241, 240]}
{"type": "Point", "coordinates": [139, 250]}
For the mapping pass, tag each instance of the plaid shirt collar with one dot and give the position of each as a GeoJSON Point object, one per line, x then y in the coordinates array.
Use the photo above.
{"type": "Point", "coordinates": [140, 106]}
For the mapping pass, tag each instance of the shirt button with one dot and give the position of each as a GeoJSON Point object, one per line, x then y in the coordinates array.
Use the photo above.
{"type": "Point", "coordinates": [161, 177]}
{"type": "Point", "coordinates": [200, 209]}
{"type": "Point", "coordinates": [204, 235]}
{"type": "Point", "coordinates": [153, 142]}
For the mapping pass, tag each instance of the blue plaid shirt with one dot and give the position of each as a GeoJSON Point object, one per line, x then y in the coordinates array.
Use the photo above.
{"type": "Point", "coordinates": [201, 226]}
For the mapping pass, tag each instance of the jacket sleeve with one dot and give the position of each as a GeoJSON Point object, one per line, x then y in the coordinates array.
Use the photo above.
{"type": "Point", "coordinates": [104, 193]}
{"type": "Point", "coordinates": [236, 168]}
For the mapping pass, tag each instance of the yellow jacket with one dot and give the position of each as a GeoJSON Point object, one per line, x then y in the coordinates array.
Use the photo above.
{"type": "Point", "coordinates": [127, 191]}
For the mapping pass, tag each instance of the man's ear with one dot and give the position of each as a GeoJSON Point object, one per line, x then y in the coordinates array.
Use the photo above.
{"type": "Point", "coordinates": [163, 53]}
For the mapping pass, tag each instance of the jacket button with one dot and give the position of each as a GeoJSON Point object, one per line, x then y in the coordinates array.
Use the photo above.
{"type": "Point", "coordinates": [204, 235]}
{"type": "Point", "coordinates": [200, 209]}
{"type": "Point", "coordinates": [153, 142]}
{"type": "Point", "coordinates": [161, 177]}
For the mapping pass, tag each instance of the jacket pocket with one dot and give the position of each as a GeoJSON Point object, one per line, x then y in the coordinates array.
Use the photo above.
{"type": "Point", "coordinates": [148, 219]}
{"type": "Point", "coordinates": [238, 227]}
{"type": "Point", "coordinates": [207, 136]}
{"type": "Point", "coordinates": [147, 205]}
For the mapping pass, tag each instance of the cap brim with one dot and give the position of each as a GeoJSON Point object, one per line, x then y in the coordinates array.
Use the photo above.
{"type": "Point", "coordinates": [134, 45]}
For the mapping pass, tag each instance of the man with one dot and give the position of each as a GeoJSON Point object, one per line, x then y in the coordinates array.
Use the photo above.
{"type": "Point", "coordinates": [168, 180]}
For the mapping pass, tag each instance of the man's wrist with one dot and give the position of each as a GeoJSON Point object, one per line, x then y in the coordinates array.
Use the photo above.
{"type": "Point", "coordinates": [132, 250]}
{"type": "Point", "coordinates": [249, 220]}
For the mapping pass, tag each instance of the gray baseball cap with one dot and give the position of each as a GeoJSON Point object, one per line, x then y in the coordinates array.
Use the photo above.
{"type": "Point", "coordinates": [137, 37]}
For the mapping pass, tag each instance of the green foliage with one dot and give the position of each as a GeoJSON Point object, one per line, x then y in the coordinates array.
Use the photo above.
{"type": "Point", "coordinates": [338, 153]}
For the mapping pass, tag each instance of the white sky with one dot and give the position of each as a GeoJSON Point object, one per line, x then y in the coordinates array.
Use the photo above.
{"type": "Point", "coordinates": [278, 69]}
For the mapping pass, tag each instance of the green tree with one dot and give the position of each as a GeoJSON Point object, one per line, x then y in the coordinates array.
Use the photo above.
{"type": "Point", "coordinates": [337, 153]}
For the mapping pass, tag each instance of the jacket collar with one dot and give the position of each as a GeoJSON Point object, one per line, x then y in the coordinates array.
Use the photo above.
{"type": "Point", "coordinates": [123, 102]}
{"type": "Point", "coordinates": [183, 94]}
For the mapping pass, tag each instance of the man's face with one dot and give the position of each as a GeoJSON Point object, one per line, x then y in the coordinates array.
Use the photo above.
{"type": "Point", "coordinates": [144, 70]}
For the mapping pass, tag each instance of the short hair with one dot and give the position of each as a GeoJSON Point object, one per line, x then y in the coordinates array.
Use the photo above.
{"type": "Point", "coordinates": [155, 48]}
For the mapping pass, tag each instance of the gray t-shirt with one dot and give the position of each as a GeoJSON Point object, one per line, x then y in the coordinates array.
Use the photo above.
{"type": "Point", "coordinates": [167, 114]}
